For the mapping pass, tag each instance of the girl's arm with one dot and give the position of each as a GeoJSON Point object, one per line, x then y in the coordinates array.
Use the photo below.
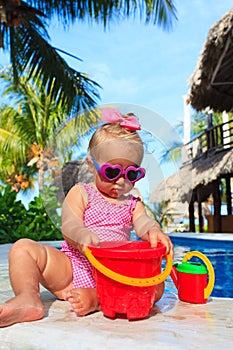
{"type": "Point", "coordinates": [73, 229]}
{"type": "Point", "coordinates": [149, 230]}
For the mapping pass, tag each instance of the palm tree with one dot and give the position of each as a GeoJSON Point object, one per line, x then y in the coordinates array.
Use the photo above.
{"type": "Point", "coordinates": [23, 33]}
{"type": "Point", "coordinates": [32, 133]}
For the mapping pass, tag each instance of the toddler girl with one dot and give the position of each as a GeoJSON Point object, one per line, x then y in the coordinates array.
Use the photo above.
{"type": "Point", "coordinates": [100, 211]}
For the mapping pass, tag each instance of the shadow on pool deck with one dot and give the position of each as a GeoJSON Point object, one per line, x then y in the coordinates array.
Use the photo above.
{"type": "Point", "coordinates": [172, 325]}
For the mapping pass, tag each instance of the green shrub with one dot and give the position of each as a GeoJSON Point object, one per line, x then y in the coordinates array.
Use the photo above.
{"type": "Point", "coordinates": [18, 222]}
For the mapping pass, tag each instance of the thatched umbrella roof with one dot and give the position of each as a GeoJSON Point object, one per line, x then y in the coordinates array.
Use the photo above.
{"type": "Point", "coordinates": [179, 187]}
{"type": "Point", "coordinates": [211, 84]}
{"type": "Point", "coordinates": [71, 173]}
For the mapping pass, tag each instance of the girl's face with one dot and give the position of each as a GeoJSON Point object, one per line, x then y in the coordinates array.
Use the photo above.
{"type": "Point", "coordinates": [114, 151]}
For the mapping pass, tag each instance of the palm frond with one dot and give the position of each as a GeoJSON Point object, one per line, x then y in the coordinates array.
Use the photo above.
{"type": "Point", "coordinates": [160, 12]}
{"type": "Point", "coordinates": [173, 153]}
{"type": "Point", "coordinates": [10, 140]}
{"type": "Point", "coordinates": [30, 50]}
{"type": "Point", "coordinates": [70, 133]}
{"type": "Point", "coordinates": [65, 85]}
{"type": "Point", "coordinates": [24, 33]}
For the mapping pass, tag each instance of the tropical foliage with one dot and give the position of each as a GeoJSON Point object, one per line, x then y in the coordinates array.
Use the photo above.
{"type": "Point", "coordinates": [200, 121]}
{"type": "Point", "coordinates": [160, 212]}
{"type": "Point", "coordinates": [35, 132]}
{"type": "Point", "coordinates": [18, 222]}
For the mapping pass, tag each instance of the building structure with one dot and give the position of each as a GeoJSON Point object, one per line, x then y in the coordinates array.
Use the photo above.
{"type": "Point", "coordinates": [209, 157]}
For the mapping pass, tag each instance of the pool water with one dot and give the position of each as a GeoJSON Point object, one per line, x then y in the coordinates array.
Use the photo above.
{"type": "Point", "coordinates": [220, 254]}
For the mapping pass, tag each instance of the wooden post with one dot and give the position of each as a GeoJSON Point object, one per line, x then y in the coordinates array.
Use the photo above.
{"type": "Point", "coordinates": [228, 195]}
{"type": "Point", "coordinates": [191, 217]}
{"type": "Point", "coordinates": [209, 131]}
{"type": "Point", "coordinates": [217, 208]}
{"type": "Point", "coordinates": [200, 218]}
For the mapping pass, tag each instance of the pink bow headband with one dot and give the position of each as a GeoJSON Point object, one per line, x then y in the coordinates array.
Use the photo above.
{"type": "Point", "coordinates": [112, 115]}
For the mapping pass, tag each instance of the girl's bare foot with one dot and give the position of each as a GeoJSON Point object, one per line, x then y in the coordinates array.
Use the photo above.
{"type": "Point", "coordinates": [83, 300]}
{"type": "Point", "coordinates": [22, 308]}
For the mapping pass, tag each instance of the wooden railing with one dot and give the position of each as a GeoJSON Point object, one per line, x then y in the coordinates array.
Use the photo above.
{"type": "Point", "coordinates": [219, 137]}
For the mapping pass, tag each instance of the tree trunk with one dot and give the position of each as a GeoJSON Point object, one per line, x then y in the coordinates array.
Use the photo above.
{"type": "Point", "coordinates": [41, 176]}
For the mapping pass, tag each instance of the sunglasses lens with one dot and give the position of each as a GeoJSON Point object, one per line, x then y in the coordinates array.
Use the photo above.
{"type": "Point", "coordinates": [133, 174]}
{"type": "Point", "coordinates": [112, 173]}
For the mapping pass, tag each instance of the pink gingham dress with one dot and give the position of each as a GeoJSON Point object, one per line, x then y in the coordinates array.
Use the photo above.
{"type": "Point", "coordinates": [110, 221]}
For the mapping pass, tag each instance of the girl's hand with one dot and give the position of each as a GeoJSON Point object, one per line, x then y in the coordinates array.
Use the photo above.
{"type": "Point", "coordinates": [155, 236]}
{"type": "Point", "coordinates": [90, 238]}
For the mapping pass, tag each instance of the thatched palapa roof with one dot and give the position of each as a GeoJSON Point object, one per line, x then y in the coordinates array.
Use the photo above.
{"type": "Point", "coordinates": [179, 187]}
{"type": "Point", "coordinates": [211, 84]}
{"type": "Point", "coordinates": [71, 173]}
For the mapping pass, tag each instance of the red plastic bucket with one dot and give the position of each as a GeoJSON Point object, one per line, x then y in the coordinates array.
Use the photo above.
{"type": "Point", "coordinates": [136, 260]}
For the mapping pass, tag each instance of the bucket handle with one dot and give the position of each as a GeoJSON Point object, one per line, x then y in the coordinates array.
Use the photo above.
{"type": "Point", "coordinates": [132, 281]}
{"type": "Point", "coordinates": [210, 285]}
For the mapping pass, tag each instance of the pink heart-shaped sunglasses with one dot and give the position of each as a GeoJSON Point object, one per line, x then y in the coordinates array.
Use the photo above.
{"type": "Point", "coordinates": [112, 172]}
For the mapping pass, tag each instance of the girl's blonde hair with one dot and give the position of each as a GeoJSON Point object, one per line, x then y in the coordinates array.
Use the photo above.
{"type": "Point", "coordinates": [113, 131]}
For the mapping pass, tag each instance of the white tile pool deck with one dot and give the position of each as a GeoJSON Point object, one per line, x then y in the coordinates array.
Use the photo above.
{"type": "Point", "coordinates": [173, 324]}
